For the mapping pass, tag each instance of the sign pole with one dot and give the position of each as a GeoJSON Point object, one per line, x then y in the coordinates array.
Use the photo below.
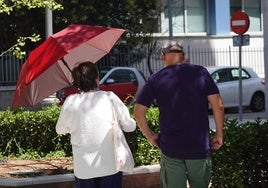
{"type": "Point", "coordinates": [240, 80]}
{"type": "Point", "coordinates": [239, 24]}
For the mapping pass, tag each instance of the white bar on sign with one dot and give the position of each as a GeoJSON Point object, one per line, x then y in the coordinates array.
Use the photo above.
{"type": "Point", "coordinates": [238, 22]}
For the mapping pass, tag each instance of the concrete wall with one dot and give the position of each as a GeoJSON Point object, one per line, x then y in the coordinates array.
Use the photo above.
{"type": "Point", "coordinates": [6, 96]}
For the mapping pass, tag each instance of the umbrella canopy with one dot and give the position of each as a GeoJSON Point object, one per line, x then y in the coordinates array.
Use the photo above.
{"type": "Point", "coordinates": [47, 68]}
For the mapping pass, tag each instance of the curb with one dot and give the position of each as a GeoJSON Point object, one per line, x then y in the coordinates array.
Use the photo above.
{"type": "Point", "coordinates": [65, 178]}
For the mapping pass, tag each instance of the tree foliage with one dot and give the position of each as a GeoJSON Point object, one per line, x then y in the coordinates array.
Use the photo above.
{"type": "Point", "coordinates": [24, 18]}
{"type": "Point", "coordinates": [131, 15]}
{"type": "Point", "coordinates": [135, 16]}
{"type": "Point", "coordinates": [8, 6]}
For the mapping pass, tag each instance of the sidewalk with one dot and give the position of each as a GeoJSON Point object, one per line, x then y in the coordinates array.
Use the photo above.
{"type": "Point", "coordinates": [246, 116]}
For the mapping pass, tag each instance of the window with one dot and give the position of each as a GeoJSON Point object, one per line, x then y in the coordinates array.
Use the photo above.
{"type": "Point", "coordinates": [188, 16]}
{"type": "Point", "coordinates": [122, 76]}
{"type": "Point", "coordinates": [196, 13]}
{"type": "Point", "coordinates": [223, 75]}
{"type": "Point", "coordinates": [226, 75]}
{"type": "Point", "coordinates": [253, 10]}
{"type": "Point", "coordinates": [235, 74]}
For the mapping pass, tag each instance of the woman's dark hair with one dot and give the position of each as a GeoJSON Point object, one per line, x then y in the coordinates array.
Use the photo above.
{"type": "Point", "coordinates": [85, 76]}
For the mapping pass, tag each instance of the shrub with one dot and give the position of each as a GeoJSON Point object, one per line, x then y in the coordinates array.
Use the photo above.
{"type": "Point", "coordinates": [28, 131]}
{"type": "Point", "coordinates": [143, 152]}
{"type": "Point", "coordinates": [241, 162]}
{"type": "Point", "coordinates": [33, 132]}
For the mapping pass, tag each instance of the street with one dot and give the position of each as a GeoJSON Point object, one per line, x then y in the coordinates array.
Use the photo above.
{"type": "Point", "coordinates": [234, 114]}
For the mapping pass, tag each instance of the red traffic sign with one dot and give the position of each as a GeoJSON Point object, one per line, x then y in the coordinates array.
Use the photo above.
{"type": "Point", "coordinates": [239, 22]}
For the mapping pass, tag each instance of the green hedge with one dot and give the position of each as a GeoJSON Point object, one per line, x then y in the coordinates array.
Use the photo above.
{"type": "Point", "coordinates": [241, 162]}
{"type": "Point", "coordinates": [31, 131]}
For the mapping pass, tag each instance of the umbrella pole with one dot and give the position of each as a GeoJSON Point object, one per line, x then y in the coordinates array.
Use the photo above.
{"type": "Point", "coordinates": [65, 63]}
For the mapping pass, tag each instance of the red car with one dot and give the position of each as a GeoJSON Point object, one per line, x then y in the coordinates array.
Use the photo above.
{"type": "Point", "coordinates": [125, 82]}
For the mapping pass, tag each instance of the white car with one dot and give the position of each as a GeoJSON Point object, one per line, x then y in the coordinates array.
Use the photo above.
{"type": "Point", "coordinates": [227, 79]}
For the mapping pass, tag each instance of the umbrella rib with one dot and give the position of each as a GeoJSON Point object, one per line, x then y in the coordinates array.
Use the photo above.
{"type": "Point", "coordinates": [65, 63]}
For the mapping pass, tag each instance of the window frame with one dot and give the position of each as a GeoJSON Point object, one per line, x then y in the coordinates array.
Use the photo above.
{"type": "Point", "coordinates": [241, 6]}
{"type": "Point", "coordinates": [185, 30]}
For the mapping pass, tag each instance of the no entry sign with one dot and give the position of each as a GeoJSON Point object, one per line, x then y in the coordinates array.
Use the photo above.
{"type": "Point", "coordinates": [239, 22]}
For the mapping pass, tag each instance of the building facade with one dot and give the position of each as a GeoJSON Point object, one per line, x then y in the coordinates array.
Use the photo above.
{"type": "Point", "coordinates": [205, 24]}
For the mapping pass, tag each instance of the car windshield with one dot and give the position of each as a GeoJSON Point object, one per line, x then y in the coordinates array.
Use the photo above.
{"type": "Point", "coordinates": [103, 71]}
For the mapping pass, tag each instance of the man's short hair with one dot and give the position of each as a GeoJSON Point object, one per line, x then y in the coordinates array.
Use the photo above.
{"type": "Point", "coordinates": [171, 43]}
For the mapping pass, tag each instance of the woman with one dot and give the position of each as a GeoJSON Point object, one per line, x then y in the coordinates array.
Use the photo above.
{"type": "Point", "coordinates": [88, 117]}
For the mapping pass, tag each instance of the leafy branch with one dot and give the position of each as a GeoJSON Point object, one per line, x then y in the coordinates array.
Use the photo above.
{"type": "Point", "coordinates": [8, 7]}
{"type": "Point", "coordinates": [16, 48]}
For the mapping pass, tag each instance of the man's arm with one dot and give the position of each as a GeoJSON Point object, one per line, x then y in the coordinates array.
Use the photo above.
{"type": "Point", "coordinates": [218, 112]}
{"type": "Point", "coordinates": [140, 117]}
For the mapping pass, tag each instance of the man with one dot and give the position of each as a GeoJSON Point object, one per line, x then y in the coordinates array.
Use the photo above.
{"type": "Point", "coordinates": [182, 92]}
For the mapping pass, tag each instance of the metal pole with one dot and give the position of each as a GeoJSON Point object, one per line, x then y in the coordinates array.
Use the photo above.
{"type": "Point", "coordinates": [170, 20]}
{"type": "Point", "coordinates": [240, 78]}
{"type": "Point", "coordinates": [230, 55]}
{"type": "Point", "coordinates": [265, 38]}
{"type": "Point", "coordinates": [49, 24]}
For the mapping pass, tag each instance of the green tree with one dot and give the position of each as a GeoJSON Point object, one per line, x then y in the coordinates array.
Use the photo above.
{"type": "Point", "coordinates": [22, 19]}
{"type": "Point", "coordinates": [132, 15]}
{"type": "Point", "coordinates": [137, 17]}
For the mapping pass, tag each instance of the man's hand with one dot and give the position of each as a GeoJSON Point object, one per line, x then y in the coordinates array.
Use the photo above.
{"type": "Point", "coordinates": [140, 116]}
{"type": "Point", "coordinates": [216, 142]}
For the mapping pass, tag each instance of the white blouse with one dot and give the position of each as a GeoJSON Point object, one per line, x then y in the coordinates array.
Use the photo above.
{"type": "Point", "coordinates": [88, 118]}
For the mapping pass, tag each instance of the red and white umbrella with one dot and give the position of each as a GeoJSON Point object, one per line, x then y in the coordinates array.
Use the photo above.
{"type": "Point", "coordinates": [47, 68]}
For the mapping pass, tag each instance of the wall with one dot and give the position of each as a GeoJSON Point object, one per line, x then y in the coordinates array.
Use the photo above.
{"type": "Point", "coordinates": [6, 95]}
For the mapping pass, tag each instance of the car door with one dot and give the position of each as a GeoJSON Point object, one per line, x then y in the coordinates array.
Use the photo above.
{"type": "Point", "coordinates": [122, 82]}
{"type": "Point", "coordinates": [246, 85]}
{"type": "Point", "coordinates": [227, 86]}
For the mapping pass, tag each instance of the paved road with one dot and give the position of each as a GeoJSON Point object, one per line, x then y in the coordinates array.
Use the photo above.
{"type": "Point", "coordinates": [246, 116]}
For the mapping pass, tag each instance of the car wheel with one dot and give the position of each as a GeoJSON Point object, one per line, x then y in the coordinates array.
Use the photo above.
{"type": "Point", "coordinates": [257, 102]}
